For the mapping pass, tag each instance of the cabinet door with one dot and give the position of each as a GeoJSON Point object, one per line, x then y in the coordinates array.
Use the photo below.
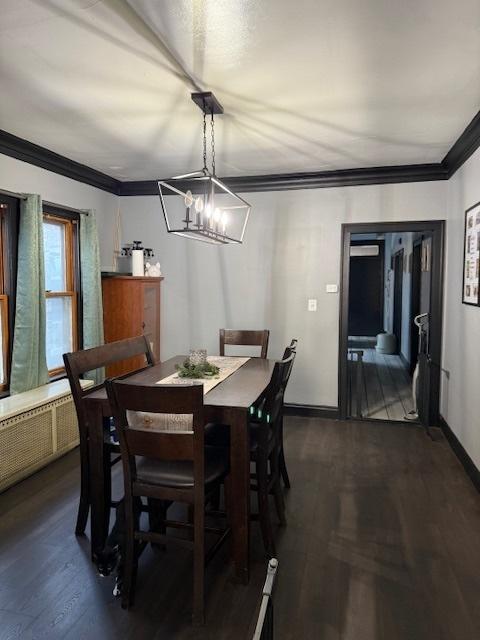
{"type": "Point", "coordinates": [123, 314]}
{"type": "Point", "coordinates": [151, 316]}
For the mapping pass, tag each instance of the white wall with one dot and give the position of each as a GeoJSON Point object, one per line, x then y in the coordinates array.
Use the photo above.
{"type": "Point", "coordinates": [460, 404]}
{"type": "Point", "coordinates": [291, 251]}
{"type": "Point", "coordinates": [25, 178]}
{"type": "Point", "coordinates": [395, 242]}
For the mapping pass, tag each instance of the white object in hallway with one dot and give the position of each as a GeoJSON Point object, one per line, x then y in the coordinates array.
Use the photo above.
{"type": "Point", "coordinates": [312, 304]}
{"type": "Point", "coordinates": [386, 343]}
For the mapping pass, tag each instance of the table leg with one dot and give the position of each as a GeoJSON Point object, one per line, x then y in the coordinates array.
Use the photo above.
{"type": "Point", "coordinates": [240, 478]}
{"type": "Point", "coordinates": [100, 482]}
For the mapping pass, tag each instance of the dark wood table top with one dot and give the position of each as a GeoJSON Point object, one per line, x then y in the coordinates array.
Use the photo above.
{"type": "Point", "coordinates": [240, 390]}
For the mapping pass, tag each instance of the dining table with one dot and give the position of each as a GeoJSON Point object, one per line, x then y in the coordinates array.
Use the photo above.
{"type": "Point", "coordinates": [227, 403]}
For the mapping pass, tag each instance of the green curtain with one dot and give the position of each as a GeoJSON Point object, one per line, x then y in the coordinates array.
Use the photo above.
{"type": "Point", "coordinates": [29, 362]}
{"type": "Point", "coordinates": [91, 287]}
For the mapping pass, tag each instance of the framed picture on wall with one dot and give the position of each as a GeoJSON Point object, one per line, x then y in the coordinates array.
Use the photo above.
{"type": "Point", "coordinates": [471, 257]}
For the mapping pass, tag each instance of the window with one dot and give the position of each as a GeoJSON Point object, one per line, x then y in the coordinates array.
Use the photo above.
{"type": "Point", "coordinates": [8, 271]}
{"type": "Point", "coordinates": [60, 242]}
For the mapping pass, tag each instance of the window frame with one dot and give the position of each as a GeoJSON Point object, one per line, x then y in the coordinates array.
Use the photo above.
{"type": "Point", "coordinates": [70, 221]}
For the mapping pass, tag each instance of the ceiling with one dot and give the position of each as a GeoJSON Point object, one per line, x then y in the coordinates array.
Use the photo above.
{"type": "Point", "coordinates": [310, 85]}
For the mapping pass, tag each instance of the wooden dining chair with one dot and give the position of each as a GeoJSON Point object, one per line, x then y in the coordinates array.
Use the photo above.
{"type": "Point", "coordinates": [167, 465]}
{"type": "Point", "coordinates": [241, 337]}
{"type": "Point", "coordinates": [265, 429]}
{"type": "Point", "coordinates": [76, 365]}
{"type": "Point", "coordinates": [291, 349]}
{"type": "Point", "coordinates": [265, 450]}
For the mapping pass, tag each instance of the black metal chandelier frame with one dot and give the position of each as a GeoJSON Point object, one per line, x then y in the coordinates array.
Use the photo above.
{"type": "Point", "coordinates": [204, 220]}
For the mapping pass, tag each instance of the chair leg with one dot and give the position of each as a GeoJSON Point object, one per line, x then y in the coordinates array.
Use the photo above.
{"type": "Point", "coordinates": [263, 506]}
{"type": "Point", "coordinates": [283, 469]}
{"type": "Point", "coordinates": [277, 488]}
{"type": "Point", "coordinates": [157, 513]}
{"type": "Point", "coordinates": [84, 504]}
{"type": "Point", "coordinates": [129, 567]}
{"type": "Point", "coordinates": [229, 502]}
{"type": "Point", "coordinates": [215, 499]}
{"type": "Point", "coordinates": [198, 617]}
{"type": "Point", "coordinates": [107, 484]}
{"type": "Point", "coordinates": [191, 520]}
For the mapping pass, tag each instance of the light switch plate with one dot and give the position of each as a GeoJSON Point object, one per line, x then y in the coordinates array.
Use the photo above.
{"type": "Point", "coordinates": [312, 304]}
{"type": "Point", "coordinates": [331, 288]}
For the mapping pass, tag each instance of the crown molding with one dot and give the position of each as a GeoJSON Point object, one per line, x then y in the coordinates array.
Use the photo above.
{"type": "Point", "coordinates": [310, 180]}
{"type": "Point", "coordinates": [26, 151]}
{"type": "Point", "coordinates": [467, 143]}
{"type": "Point", "coordinates": [464, 147]}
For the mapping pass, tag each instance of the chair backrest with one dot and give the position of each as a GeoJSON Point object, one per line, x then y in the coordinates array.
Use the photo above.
{"type": "Point", "coordinates": [273, 404]}
{"type": "Point", "coordinates": [80, 362]}
{"type": "Point", "coordinates": [242, 337]}
{"type": "Point", "coordinates": [290, 350]}
{"type": "Point", "coordinates": [137, 440]}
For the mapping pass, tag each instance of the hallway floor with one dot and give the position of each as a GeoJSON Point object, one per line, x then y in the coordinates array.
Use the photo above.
{"type": "Point", "coordinates": [386, 383]}
{"type": "Point", "coordinates": [381, 544]}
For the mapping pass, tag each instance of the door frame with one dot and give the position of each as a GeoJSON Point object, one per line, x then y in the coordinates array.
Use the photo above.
{"type": "Point", "coordinates": [437, 229]}
{"type": "Point", "coordinates": [400, 255]}
{"type": "Point", "coordinates": [414, 295]}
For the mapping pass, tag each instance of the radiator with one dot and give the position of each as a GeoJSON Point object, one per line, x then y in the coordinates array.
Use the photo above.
{"type": "Point", "coordinates": [32, 438]}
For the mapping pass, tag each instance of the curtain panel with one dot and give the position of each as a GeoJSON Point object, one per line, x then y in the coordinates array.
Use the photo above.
{"type": "Point", "coordinates": [91, 288]}
{"type": "Point", "coordinates": [29, 362]}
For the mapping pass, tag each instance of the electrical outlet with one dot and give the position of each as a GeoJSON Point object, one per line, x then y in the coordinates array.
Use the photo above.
{"type": "Point", "coordinates": [331, 288]}
{"type": "Point", "coordinates": [312, 304]}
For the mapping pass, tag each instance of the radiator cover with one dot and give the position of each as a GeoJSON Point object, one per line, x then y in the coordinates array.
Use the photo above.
{"type": "Point", "coordinates": [33, 438]}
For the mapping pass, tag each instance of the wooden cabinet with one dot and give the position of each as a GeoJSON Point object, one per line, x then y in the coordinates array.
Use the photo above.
{"type": "Point", "coordinates": [131, 306]}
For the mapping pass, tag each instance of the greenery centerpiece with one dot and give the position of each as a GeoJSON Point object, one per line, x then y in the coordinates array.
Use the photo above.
{"type": "Point", "coordinates": [195, 367]}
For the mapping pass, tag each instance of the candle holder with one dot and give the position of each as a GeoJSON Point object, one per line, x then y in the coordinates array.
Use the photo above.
{"type": "Point", "coordinates": [198, 357]}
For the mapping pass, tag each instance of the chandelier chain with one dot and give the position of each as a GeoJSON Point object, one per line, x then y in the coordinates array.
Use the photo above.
{"type": "Point", "coordinates": [204, 139]}
{"type": "Point", "coordinates": [212, 123]}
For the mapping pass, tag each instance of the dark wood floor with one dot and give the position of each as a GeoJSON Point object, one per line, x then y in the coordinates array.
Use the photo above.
{"type": "Point", "coordinates": [382, 543]}
{"type": "Point", "coordinates": [386, 390]}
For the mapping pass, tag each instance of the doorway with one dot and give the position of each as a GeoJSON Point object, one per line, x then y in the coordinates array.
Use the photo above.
{"type": "Point", "coordinates": [380, 297]}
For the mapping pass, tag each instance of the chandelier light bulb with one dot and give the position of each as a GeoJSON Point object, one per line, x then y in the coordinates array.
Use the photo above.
{"type": "Point", "coordinates": [198, 203]}
{"type": "Point", "coordinates": [216, 215]}
{"type": "Point", "coordinates": [208, 210]}
{"type": "Point", "coordinates": [189, 199]}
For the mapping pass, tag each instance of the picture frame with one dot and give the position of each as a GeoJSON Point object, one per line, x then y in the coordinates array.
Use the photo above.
{"type": "Point", "coordinates": [471, 257]}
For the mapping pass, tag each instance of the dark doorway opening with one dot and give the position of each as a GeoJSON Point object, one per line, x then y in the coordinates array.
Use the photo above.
{"type": "Point", "coordinates": [412, 284]}
{"type": "Point", "coordinates": [365, 313]}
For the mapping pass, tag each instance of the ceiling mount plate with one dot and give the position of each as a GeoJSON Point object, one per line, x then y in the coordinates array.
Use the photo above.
{"type": "Point", "coordinates": [207, 102]}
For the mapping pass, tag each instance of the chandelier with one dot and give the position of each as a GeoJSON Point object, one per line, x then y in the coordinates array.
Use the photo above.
{"type": "Point", "coordinates": [199, 205]}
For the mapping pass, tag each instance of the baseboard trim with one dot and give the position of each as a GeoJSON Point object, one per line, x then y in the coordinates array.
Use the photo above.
{"type": "Point", "coordinates": [467, 463]}
{"type": "Point", "coordinates": [311, 411]}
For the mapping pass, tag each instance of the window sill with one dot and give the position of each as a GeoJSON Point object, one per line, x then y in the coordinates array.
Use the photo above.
{"type": "Point", "coordinates": [55, 378]}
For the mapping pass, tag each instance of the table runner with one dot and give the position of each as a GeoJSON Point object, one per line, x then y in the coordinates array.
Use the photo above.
{"type": "Point", "coordinates": [226, 364]}
{"type": "Point", "coordinates": [182, 422]}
